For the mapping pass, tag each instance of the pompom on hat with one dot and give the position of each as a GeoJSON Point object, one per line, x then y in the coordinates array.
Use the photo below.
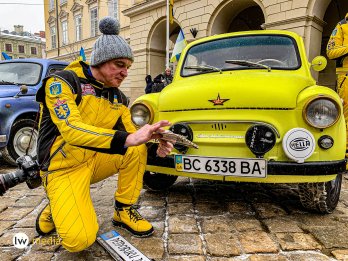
{"type": "Point", "coordinates": [110, 45]}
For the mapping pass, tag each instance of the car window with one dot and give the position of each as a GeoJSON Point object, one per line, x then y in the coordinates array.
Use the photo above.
{"type": "Point", "coordinates": [55, 68]}
{"type": "Point", "coordinates": [20, 73]}
{"type": "Point", "coordinates": [275, 51]}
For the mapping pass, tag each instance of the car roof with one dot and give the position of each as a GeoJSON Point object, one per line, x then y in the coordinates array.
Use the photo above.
{"type": "Point", "coordinates": [35, 60]}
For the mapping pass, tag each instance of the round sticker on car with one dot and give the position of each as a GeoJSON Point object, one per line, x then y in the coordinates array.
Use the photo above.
{"type": "Point", "coordinates": [298, 144]}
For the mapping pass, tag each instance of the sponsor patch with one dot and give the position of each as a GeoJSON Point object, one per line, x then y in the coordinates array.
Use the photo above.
{"type": "Point", "coordinates": [55, 88]}
{"type": "Point", "coordinates": [334, 32]}
{"type": "Point", "coordinates": [61, 109]}
{"type": "Point", "coordinates": [331, 44]}
{"type": "Point", "coordinates": [87, 89]}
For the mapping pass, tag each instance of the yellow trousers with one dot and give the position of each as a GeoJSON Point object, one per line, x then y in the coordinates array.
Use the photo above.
{"type": "Point", "coordinates": [68, 192]}
{"type": "Point", "coordinates": [342, 89]}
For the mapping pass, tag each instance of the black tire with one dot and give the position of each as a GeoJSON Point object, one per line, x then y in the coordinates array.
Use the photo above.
{"type": "Point", "coordinates": [321, 197]}
{"type": "Point", "coordinates": [158, 181]}
{"type": "Point", "coordinates": [19, 139]}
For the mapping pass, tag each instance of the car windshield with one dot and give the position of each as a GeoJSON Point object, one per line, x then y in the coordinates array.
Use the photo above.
{"type": "Point", "coordinates": [20, 73]}
{"type": "Point", "coordinates": [242, 52]}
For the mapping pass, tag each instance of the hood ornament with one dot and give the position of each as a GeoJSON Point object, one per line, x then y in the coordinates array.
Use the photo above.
{"type": "Point", "coordinates": [218, 100]}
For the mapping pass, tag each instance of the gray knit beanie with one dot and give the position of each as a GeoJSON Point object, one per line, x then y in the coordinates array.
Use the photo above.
{"type": "Point", "coordinates": [110, 45]}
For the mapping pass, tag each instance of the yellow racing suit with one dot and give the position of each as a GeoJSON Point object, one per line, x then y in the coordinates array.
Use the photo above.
{"type": "Point", "coordinates": [82, 144]}
{"type": "Point", "coordinates": [337, 49]}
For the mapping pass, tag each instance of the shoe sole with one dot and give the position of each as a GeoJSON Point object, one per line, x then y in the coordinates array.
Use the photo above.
{"type": "Point", "coordinates": [134, 233]}
{"type": "Point", "coordinates": [37, 226]}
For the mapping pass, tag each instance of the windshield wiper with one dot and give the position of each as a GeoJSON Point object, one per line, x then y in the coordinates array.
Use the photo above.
{"type": "Point", "coordinates": [203, 68]}
{"type": "Point", "coordinates": [2, 82]}
{"type": "Point", "coordinates": [249, 64]}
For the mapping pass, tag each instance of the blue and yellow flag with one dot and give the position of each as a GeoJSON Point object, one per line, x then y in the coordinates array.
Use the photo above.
{"type": "Point", "coordinates": [6, 57]}
{"type": "Point", "coordinates": [82, 56]}
{"type": "Point", "coordinates": [178, 47]}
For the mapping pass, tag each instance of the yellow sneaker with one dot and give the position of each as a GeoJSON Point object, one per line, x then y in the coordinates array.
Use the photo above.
{"type": "Point", "coordinates": [44, 221]}
{"type": "Point", "coordinates": [129, 218]}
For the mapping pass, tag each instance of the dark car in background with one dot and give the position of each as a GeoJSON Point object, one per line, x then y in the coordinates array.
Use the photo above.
{"type": "Point", "coordinates": [19, 81]}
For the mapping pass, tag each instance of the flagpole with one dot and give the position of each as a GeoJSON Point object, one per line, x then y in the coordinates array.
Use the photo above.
{"type": "Point", "coordinates": [167, 36]}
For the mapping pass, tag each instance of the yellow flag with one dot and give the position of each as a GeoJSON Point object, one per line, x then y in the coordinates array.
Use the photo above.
{"type": "Point", "coordinates": [171, 11]}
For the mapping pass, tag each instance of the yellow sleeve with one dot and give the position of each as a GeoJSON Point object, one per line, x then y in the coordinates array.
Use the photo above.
{"type": "Point", "coordinates": [335, 48]}
{"type": "Point", "coordinates": [64, 113]}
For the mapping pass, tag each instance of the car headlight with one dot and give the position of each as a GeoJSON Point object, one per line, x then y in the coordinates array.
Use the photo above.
{"type": "Point", "coordinates": [321, 112]}
{"type": "Point", "coordinates": [141, 114]}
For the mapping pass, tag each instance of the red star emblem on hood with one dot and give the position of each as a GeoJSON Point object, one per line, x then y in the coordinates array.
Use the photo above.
{"type": "Point", "coordinates": [218, 100]}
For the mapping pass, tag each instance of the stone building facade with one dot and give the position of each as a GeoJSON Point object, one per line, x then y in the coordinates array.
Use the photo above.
{"type": "Point", "coordinates": [144, 24]}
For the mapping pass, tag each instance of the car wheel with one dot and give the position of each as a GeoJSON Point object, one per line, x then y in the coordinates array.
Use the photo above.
{"type": "Point", "coordinates": [157, 181]}
{"type": "Point", "coordinates": [321, 197]}
{"type": "Point", "coordinates": [19, 140]}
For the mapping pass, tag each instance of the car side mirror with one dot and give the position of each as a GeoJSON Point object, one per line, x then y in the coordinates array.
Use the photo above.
{"type": "Point", "coordinates": [23, 89]}
{"type": "Point", "coordinates": [319, 63]}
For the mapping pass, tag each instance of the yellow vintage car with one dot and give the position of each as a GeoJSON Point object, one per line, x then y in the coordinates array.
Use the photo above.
{"type": "Point", "coordinates": [250, 104]}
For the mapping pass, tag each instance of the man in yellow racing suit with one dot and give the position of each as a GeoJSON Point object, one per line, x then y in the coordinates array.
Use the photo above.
{"type": "Point", "coordinates": [83, 142]}
{"type": "Point", "coordinates": [337, 49]}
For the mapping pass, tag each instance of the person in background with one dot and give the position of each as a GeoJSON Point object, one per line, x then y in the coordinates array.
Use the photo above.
{"type": "Point", "coordinates": [337, 49]}
{"type": "Point", "coordinates": [86, 142]}
{"type": "Point", "coordinates": [162, 80]}
{"type": "Point", "coordinates": [149, 83]}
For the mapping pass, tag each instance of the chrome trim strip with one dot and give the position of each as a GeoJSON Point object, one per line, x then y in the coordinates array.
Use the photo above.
{"type": "Point", "coordinates": [3, 138]}
{"type": "Point", "coordinates": [252, 122]}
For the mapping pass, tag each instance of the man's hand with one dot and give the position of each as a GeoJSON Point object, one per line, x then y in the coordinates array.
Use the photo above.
{"type": "Point", "coordinates": [146, 133]}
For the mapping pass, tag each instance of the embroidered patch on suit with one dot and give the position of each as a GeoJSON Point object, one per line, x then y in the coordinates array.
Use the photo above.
{"type": "Point", "coordinates": [334, 32]}
{"type": "Point", "coordinates": [61, 109]}
{"type": "Point", "coordinates": [55, 88]}
{"type": "Point", "coordinates": [331, 44]}
{"type": "Point", "coordinates": [87, 89]}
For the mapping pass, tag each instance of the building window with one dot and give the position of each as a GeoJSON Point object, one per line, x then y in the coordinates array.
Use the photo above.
{"type": "Point", "coordinates": [65, 32]}
{"type": "Point", "coordinates": [113, 8]}
{"type": "Point", "coordinates": [51, 5]}
{"type": "Point", "coordinates": [53, 37]}
{"type": "Point", "coordinates": [21, 48]}
{"type": "Point", "coordinates": [78, 28]}
{"type": "Point", "coordinates": [8, 48]}
{"type": "Point", "coordinates": [94, 22]}
{"type": "Point", "coordinates": [33, 50]}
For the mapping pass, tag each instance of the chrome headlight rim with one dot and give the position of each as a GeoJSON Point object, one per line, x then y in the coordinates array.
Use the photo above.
{"type": "Point", "coordinates": [321, 97]}
{"type": "Point", "coordinates": [150, 110]}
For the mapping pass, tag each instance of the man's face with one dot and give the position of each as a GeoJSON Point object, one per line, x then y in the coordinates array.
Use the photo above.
{"type": "Point", "coordinates": [114, 71]}
{"type": "Point", "coordinates": [168, 71]}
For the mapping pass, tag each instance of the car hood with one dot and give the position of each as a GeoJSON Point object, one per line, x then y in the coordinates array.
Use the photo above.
{"type": "Point", "coordinates": [12, 90]}
{"type": "Point", "coordinates": [234, 90]}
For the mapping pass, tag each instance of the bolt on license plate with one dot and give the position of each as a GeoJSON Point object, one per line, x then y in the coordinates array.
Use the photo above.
{"type": "Point", "coordinates": [240, 167]}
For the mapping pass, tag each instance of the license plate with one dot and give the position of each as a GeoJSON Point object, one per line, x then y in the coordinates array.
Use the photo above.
{"type": "Point", "coordinates": [240, 167]}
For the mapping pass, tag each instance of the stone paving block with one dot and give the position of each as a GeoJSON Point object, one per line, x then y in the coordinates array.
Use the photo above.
{"type": "Point", "coordinates": [217, 224]}
{"type": "Point", "coordinates": [152, 195]}
{"type": "Point", "coordinates": [341, 254]}
{"type": "Point", "coordinates": [183, 224]}
{"type": "Point", "coordinates": [331, 237]}
{"type": "Point", "coordinates": [184, 244]}
{"type": "Point", "coordinates": [15, 213]}
{"type": "Point", "coordinates": [180, 208]}
{"type": "Point", "coordinates": [257, 242]}
{"type": "Point", "coordinates": [211, 209]}
{"type": "Point", "coordinates": [10, 253]}
{"type": "Point", "coordinates": [28, 201]}
{"type": "Point", "coordinates": [4, 225]}
{"type": "Point", "coordinates": [151, 213]}
{"type": "Point", "coordinates": [179, 197]}
{"type": "Point", "coordinates": [27, 221]}
{"type": "Point", "coordinates": [37, 257]}
{"type": "Point", "coordinates": [152, 247]}
{"type": "Point", "coordinates": [315, 220]}
{"type": "Point", "coordinates": [275, 225]}
{"type": "Point", "coordinates": [249, 224]}
{"type": "Point", "coordinates": [6, 202]}
{"type": "Point", "coordinates": [229, 258]}
{"type": "Point", "coordinates": [240, 208]}
{"type": "Point", "coordinates": [307, 256]}
{"type": "Point", "coordinates": [187, 258]}
{"type": "Point", "coordinates": [222, 244]}
{"type": "Point", "coordinates": [7, 237]}
{"type": "Point", "coordinates": [266, 257]}
{"type": "Point", "coordinates": [269, 210]}
{"type": "Point", "coordinates": [297, 241]}
{"type": "Point", "coordinates": [159, 203]}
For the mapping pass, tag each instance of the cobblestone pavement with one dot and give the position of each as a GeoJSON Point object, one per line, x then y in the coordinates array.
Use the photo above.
{"type": "Point", "coordinates": [195, 220]}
